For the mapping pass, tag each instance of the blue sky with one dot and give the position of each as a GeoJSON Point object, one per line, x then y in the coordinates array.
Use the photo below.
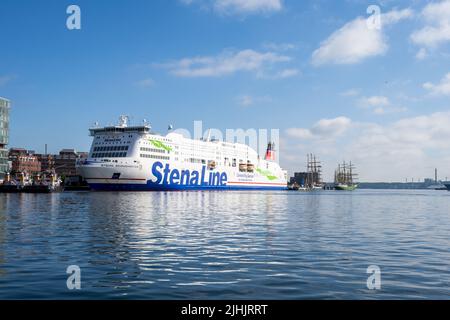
{"type": "Point", "coordinates": [312, 69]}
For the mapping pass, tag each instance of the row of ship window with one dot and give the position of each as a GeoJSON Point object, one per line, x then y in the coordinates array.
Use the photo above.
{"type": "Point", "coordinates": [109, 155]}
{"type": "Point", "coordinates": [152, 156]}
{"type": "Point", "coordinates": [153, 150]}
{"type": "Point", "coordinates": [115, 148]}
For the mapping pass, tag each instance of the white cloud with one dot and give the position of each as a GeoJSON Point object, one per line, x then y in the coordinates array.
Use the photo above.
{"type": "Point", "coordinates": [442, 88]}
{"type": "Point", "coordinates": [390, 109]}
{"type": "Point", "coordinates": [146, 83]}
{"type": "Point", "coordinates": [248, 6]}
{"type": "Point", "coordinates": [245, 101]}
{"type": "Point", "coordinates": [422, 54]}
{"type": "Point", "coordinates": [225, 64]}
{"type": "Point", "coordinates": [410, 147]}
{"type": "Point", "coordinates": [299, 133]}
{"type": "Point", "coordinates": [395, 16]}
{"type": "Point", "coordinates": [279, 46]}
{"type": "Point", "coordinates": [287, 73]}
{"type": "Point", "coordinates": [350, 93]}
{"type": "Point", "coordinates": [380, 105]}
{"type": "Point", "coordinates": [4, 80]}
{"type": "Point", "coordinates": [325, 129]}
{"type": "Point", "coordinates": [271, 74]}
{"type": "Point", "coordinates": [239, 6]}
{"type": "Point", "coordinates": [355, 41]}
{"type": "Point", "coordinates": [350, 44]}
{"type": "Point", "coordinates": [375, 101]}
{"type": "Point", "coordinates": [331, 127]}
{"type": "Point", "coordinates": [248, 100]}
{"type": "Point", "coordinates": [437, 25]}
{"type": "Point", "coordinates": [407, 140]}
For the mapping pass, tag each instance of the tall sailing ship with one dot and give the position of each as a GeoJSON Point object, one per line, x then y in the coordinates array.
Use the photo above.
{"type": "Point", "coordinates": [314, 173]}
{"type": "Point", "coordinates": [133, 158]}
{"type": "Point", "coordinates": [345, 177]}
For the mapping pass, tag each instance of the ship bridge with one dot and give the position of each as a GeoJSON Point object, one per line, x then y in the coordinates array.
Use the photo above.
{"type": "Point", "coordinates": [119, 129]}
{"type": "Point", "coordinates": [122, 127]}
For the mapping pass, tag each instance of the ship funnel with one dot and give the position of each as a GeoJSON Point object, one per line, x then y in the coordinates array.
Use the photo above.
{"type": "Point", "coordinates": [270, 153]}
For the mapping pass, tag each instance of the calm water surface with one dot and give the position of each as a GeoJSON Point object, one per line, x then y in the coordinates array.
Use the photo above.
{"type": "Point", "coordinates": [226, 245]}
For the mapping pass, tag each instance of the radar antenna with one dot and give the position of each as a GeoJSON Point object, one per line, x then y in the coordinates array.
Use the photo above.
{"type": "Point", "coordinates": [123, 121]}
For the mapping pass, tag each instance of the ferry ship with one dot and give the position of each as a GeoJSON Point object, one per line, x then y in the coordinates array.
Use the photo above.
{"type": "Point", "coordinates": [133, 158]}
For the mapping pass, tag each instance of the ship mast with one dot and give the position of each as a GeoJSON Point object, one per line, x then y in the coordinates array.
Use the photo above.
{"type": "Point", "coordinates": [313, 171]}
{"type": "Point", "coordinates": [345, 174]}
{"type": "Point", "coordinates": [308, 171]}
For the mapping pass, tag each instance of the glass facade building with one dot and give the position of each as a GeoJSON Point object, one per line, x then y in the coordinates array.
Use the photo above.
{"type": "Point", "coordinates": [4, 135]}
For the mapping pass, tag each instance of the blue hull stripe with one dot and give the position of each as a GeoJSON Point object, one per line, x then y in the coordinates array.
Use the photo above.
{"type": "Point", "coordinates": [168, 187]}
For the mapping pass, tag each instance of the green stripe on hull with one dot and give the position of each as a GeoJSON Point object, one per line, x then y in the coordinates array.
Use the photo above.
{"type": "Point", "coordinates": [346, 188]}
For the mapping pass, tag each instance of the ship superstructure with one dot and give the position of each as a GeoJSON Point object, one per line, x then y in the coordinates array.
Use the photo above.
{"type": "Point", "coordinates": [126, 158]}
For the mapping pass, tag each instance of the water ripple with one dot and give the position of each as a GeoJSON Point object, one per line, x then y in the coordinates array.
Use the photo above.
{"type": "Point", "coordinates": [226, 245]}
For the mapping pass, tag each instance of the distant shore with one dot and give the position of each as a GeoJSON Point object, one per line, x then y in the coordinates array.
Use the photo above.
{"type": "Point", "coordinates": [397, 185]}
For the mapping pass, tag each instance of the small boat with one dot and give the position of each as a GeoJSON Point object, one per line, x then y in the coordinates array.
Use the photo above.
{"type": "Point", "coordinates": [39, 184]}
{"type": "Point", "coordinates": [40, 188]}
{"type": "Point", "coordinates": [212, 165]}
{"type": "Point", "coordinates": [47, 183]}
{"type": "Point", "coordinates": [14, 185]}
{"type": "Point", "coordinates": [438, 187]}
{"type": "Point", "coordinates": [8, 185]}
{"type": "Point", "coordinates": [9, 188]}
{"type": "Point", "coordinates": [293, 187]}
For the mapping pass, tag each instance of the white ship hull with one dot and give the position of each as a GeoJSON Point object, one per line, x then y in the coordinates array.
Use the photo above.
{"type": "Point", "coordinates": [166, 176]}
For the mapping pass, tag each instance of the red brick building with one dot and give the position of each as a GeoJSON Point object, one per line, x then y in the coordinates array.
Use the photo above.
{"type": "Point", "coordinates": [24, 161]}
{"type": "Point", "coordinates": [66, 160]}
{"type": "Point", "coordinates": [47, 162]}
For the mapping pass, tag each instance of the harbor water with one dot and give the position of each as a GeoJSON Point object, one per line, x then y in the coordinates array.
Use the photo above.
{"type": "Point", "coordinates": [226, 245]}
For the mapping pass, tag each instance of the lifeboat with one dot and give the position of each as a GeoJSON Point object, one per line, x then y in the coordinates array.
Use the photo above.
{"type": "Point", "coordinates": [211, 165]}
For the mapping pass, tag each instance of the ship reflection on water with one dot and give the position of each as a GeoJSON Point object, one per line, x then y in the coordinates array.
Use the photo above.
{"type": "Point", "coordinates": [225, 245]}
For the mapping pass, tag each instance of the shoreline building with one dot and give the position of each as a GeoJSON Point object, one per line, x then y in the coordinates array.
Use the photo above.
{"type": "Point", "coordinates": [27, 161]}
{"type": "Point", "coordinates": [4, 136]}
{"type": "Point", "coordinates": [47, 162]}
{"type": "Point", "coordinates": [65, 162]}
{"type": "Point", "coordinates": [24, 161]}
